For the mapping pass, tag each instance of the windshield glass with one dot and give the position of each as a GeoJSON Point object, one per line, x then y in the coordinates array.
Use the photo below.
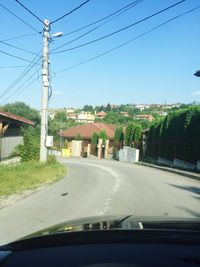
{"type": "Point", "coordinates": [99, 113]}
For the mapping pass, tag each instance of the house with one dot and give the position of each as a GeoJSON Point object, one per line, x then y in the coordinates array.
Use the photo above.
{"type": "Point", "coordinates": [142, 106]}
{"type": "Point", "coordinates": [162, 113]}
{"type": "Point", "coordinates": [72, 115]}
{"type": "Point", "coordinates": [124, 114]}
{"type": "Point", "coordinates": [145, 117]}
{"type": "Point", "coordinates": [86, 131]}
{"type": "Point", "coordinates": [70, 110]}
{"type": "Point", "coordinates": [10, 132]}
{"type": "Point", "coordinates": [85, 117]}
{"type": "Point", "coordinates": [101, 114]}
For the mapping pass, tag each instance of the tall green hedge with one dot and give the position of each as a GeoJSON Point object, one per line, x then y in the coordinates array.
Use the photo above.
{"type": "Point", "coordinates": [133, 134]}
{"type": "Point", "coordinates": [177, 136]}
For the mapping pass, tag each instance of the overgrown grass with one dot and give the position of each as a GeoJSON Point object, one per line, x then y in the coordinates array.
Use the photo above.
{"type": "Point", "coordinates": [29, 175]}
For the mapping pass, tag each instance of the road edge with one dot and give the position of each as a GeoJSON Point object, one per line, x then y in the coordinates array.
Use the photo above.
{"type": "Point", "coordinates": [191, 175]}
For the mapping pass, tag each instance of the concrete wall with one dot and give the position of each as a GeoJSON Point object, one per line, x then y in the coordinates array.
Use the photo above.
{"type": "Point", "coordinates": [184, 165]}
{"type": "Point", "coordinates": [128, 154]}
{"type": "Point", "coordinates": [8, 145]}
{"type": "Point", "coordinates": [177, 163]}
{"type": "Point", "coordinates": [76, 148]}
{"type": "Point", "coordinates": [165, 162]}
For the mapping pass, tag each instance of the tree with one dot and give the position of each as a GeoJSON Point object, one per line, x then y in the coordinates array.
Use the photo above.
{"type": "Point", "coordinates": [21, 109]}
{"type": "Point", "coordinates": [128, 134]}
{"type": "Point", "coordinates": [118, 139]}
{"type": "Point", "coordinates": [103, 136]}
{"type": "Point", "coordinates": [95, 138]}
{"type": "Point", "coordinates": [88, 108]}
{"type": "Point", "coordinates": [133, 134]}
{"type": "Point", "coordinates": [59, 123]}
{"type": "Point", "coordinates": [108, 107]}
{"type": "Point", "coordinates": [78, 137]}
{"type": "Point", "coordinates": [177, 136]}
{"type": "Point", "coordinates": [30, 149]}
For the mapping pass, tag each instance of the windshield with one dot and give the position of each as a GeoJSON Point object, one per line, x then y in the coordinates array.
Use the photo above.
{"type": "Point", "coordinates": [99, 112]}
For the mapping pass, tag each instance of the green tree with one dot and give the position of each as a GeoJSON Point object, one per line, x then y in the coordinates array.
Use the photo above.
{"type": "Point", "coordinates": [59, 123]}
{"type": "Point", "coordinates": [78, 137]}
{"type": "Point", "coordinates": [88, 108]}
{"type": "Point", "coordinates": [95, 138]}
{"type": "Point", "coordinates": [108, 107]}
{"type": "Point", "coordinates": [21, 109]}
{"type": "Point", "coordinates": [128, 134]}
{"type": "Point", "coordinates": [103, 136]}
{"type": "Point", "coordinates": [118, 137]}
{"type": "Point", "coordinates": [177, 136]}
{"type": "Point", "coordinates": [30, 149]}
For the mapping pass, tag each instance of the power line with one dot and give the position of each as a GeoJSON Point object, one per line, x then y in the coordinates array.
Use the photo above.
{"type": "Point", "coordinates": [10, 67]}
{"type": "Point", "coordinates": [20, 19]}
{"type": "Point", "coordinates": [32, 82]}
{"type": "Point", "coordinates": [113, 17]}
{"type": "Point", "coordinates": [20, 87]}
{"type": "Point", "coordinates": [129, 41]}
{"type": "Point", "coordinates": [18, 48]}
{"type": "Point", "coordinates": [19, 37]}
{"type": "Point", "coordinates": [22, 75]}
{"type": "Point", "coordinates": [120, 30]}
{"type": "Point", "coordinates": [97, 21]}
{"type": "Point", "coordinates": [11, 55]}
{"type": "Point", "coordinates": [70, 12]}
{"type": "Point", "coordinates": [29, 11]}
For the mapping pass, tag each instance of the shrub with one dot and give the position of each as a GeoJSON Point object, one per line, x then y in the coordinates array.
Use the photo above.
{"type": "Point", "coordinates": [30, 149]}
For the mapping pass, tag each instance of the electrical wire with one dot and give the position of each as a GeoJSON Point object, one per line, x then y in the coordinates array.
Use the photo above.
{"type": "Point", "coordinates": [129, 41]}
{"type": "Point", "coordinates": [99, 20]}
{"type": "Point", "coordinates": [18, 48]}
{"type": "Point", "coordinates": [113, 17]}
{"type": "Point", "coordinates": [11, 55]}
{"type": "Point", "coordinates": [70, 12]}
{"type": "Point", "coordinates": [20, 18]}
{"type": "Point", "coordinates": [10, 67]}
{"type": "Point", "coordinates": [120, 30]}
{"type": "Point", "coordinates": [21, 87]}
{"type": "Point", "coordinates": [19, 37]}
{"type": "Point", "coordinates": [22, 75]}
{"type": "Point", "coordinates": [29, 11]}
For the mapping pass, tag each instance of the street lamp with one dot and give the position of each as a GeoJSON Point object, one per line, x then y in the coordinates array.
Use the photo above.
{"type": "Point", "coordinates": [45, 89]}
{"type": "Point", "coordinates": [57, 34]}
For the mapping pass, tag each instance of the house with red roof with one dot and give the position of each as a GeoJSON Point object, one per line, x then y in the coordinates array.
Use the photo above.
{"type": "Point", "coordinates": [10, 132]}
{"type": "Point", "coordinates": [101, 114]}
{"type": "Point", "coordinates": [85, 131]}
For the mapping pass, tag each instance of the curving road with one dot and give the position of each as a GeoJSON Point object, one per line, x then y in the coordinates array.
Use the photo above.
{"type": "Point", "coordinates": [102, 187]}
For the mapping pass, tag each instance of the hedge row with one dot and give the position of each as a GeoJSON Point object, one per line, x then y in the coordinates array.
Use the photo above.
{"type": "Point", "coordinates": [177, 136]}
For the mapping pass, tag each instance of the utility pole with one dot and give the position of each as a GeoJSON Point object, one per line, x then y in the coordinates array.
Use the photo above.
{"type": "Point", "coordinates": [45, 93]}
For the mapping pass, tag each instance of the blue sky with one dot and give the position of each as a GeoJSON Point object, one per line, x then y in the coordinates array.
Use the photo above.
{"type": "Point", "coordinates": [155, 68]}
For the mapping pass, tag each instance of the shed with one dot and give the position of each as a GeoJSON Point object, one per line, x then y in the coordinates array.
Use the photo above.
{"type": "Point", "coordinates": [10, 132]}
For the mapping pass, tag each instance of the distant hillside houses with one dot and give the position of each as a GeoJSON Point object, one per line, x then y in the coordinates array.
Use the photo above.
{"type": "Point", "coordinates": [85, 117]}
{"type": "Point", "coordinates": [145, 117]}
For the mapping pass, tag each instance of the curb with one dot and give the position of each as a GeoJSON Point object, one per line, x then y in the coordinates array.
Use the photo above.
{"type": "Point", "coordinates": [179, 172]}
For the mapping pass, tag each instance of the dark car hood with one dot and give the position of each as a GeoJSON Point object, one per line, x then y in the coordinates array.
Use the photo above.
{"type": "Point", "coordinates": [123, 222]}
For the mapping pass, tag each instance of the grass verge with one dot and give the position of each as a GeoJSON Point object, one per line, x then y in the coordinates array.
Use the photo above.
{"type": "Point", "coordinates": [29, 175]}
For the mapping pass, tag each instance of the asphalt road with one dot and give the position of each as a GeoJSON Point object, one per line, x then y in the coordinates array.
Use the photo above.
{"type": "Point", "coordinates": [101, 187]}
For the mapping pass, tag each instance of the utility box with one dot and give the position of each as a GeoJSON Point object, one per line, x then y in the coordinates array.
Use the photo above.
{"type": "Point", "coordinates": [49, 141]}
